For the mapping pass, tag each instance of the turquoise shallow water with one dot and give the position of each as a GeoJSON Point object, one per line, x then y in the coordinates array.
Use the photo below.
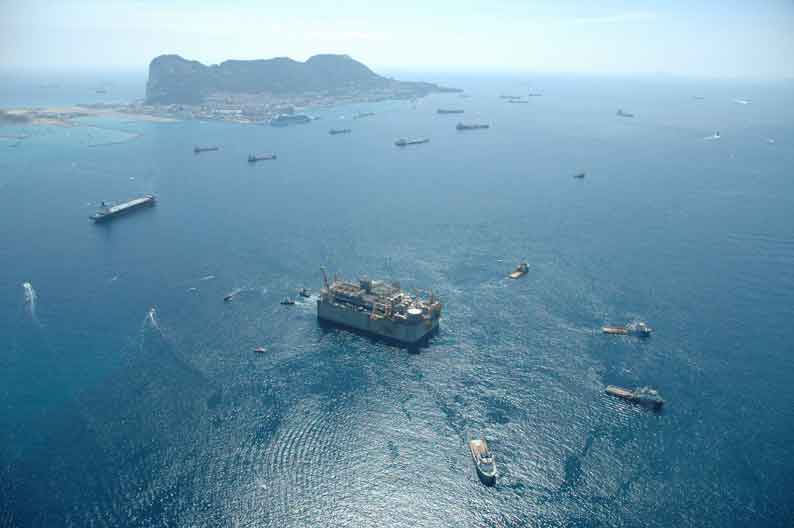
{"type": "Point", "coordinates": [111, 420]}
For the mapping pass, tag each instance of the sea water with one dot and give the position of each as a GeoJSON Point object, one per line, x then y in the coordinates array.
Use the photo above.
{"type": "Point", "coordinates": [116, 415]}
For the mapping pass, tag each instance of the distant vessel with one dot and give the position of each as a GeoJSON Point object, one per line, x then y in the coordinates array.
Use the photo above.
{"type": "Point", "coordinates": [483, 461]}
{"type": "Point", "coordinates": [517, 101]}
{"type": "Point", "coordinates": [253, 158]}
{"type": "Point", "coordinates": [698, 97]}
{"type": "Point", "coordinates": [521, 270]}
{"type": "Point", "coordinates": [534, 94]}
{"type": "Point", "coordinates": [260, 350]}
{"type": "Point", "coordinates": [286, 301]}
{"type": "Point", "coordinates": [362, 115]}
{"type": "Point", "coordinates": [405, 142]}
{"type": "Point", "coordinates": [197, 150]}
{"type": "Point", "coordinates": [108, 210]}
{"type": "Point", "coordinates": [639, 329]}
{"type": "Point", "coordinates": [472, 126]}
{"type": "Point", "coordinates": [449, 111]}
{"type": "Point", "coordinates": [229, 296]}
{"type": "Point", "coordinates": [621, 113]}
{"type": "Point", "coordinates": [335, 131]}
{"type": "Point", "coordinates": [380, 309]}
{"type": "Point", "coordinates": [510, 97]}
{"type": "Point", "coordinates": [282, 120]}
{"type": "Point", "coordinates": [579, 176]}
{"type": "Point", "coordinates": [101, 91]}
{"type": "Point", "coordinates": [642, 395]}
{"type": "Point", "coordinates": [304, 293]}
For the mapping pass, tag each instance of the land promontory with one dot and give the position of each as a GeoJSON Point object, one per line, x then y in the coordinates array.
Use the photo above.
{"type": "Point", "coordinates": [174, 80]}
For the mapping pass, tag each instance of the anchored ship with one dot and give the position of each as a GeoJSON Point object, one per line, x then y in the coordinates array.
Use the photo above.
{"type": "Point", "coordinates": [449, 111]}
{"type": "Point", "coordinates": [112, 210]}
{"type": "Point", "coordinates": [282, 120]}
{"type": "Point", "coordinates": [472, 126]}
{"type": "Point", "coordinates": [198, 150]}
{"type": "Point", "coordinates": [405, 142]}
{"type": "Point", "coordinates": [253, 158]}
{"type": "Point", "coordinates": [639, 329]}
{"type": "Point", "coordinates": [642, 395]}
{"type": "Point", "coordinates": [483, 461]}
{"type": "Point", "coordinates": [335, 131]}
{"type": "Point", "coordinates": [377, 308]}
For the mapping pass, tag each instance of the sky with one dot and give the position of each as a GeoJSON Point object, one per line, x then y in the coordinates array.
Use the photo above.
{"type": "Point", "coordinates": [750, 38]}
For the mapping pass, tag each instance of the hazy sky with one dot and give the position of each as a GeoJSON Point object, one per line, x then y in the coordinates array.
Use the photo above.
{"type": "Point", "coordinates": [703, 38]}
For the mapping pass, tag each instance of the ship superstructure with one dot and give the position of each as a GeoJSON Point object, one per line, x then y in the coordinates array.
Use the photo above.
{"type": "Point", "coordinates": [378, 308]}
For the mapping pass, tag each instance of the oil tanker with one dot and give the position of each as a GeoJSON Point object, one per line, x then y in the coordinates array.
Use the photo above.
{"type": "Point", "coordinates": [110, 210]}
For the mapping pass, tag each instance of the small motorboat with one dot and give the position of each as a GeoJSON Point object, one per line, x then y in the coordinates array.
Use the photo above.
{"type": "Point", "coordinates": [287, 301]}
{"type": "Point", "coordinates": [520, 271]}
{"type": "Point", "coordinates": [579, 176]}
{"type": "Point", "coordinates": [260, 350]}
{"type": "Point", "coordinates": [228, 297]}
{"type": "Point", "coordinates": [304, 293]}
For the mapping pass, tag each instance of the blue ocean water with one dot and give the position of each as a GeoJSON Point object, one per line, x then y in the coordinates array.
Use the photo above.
{"type": "Point", "coordinates": [112, 418]}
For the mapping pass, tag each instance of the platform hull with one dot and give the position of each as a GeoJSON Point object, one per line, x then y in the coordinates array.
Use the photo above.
{"type": "Point", "coordinates": [401, 332]}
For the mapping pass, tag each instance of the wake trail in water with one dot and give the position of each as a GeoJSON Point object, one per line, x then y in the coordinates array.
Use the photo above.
{"type": "Point", "coordinates": [30, 299]}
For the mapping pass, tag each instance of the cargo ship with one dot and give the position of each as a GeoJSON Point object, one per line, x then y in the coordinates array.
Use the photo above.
{"type": "Point", "coordinates": [282, 120]}
{"type": "Point", "coordinates": [379, 309]}
{"type": "Point", "coordinates": [449, 111]}
{"type": "Point", "coordinates": [110, 210]}
{"type": "Point", "coordinates": [639, 329]}
{"type": "Point", "coordinates": [405, 142]}
{"type": "Point", "coordinates": [253, 158]}
{"type": "Point", "coordinates": [521, 270]}
{"type": "Point", "coordinates": [335, 131]}
{"type": "Point", "coordinates": [483, 461]}
{"type": "Point", "coordinates": [198, 150]}
{"type": "Point", "coordinates": [621, 113]}
{"type": "Point", "coordinates": [643, 395]}
{"type": "Point", "coordinates": [472, 126]}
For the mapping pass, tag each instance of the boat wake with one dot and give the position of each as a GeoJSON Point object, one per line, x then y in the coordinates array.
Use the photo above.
{"type": "Point", "coordinates": [30, 299]}
{"type": "Point", "coordinates": [207, 277]}
{"type": "Point", "coordinates": [742, 101]}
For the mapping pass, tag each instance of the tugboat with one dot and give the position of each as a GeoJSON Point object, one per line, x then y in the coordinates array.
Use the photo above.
{"type": "Point", "coordinates": [303, 292]}
{"type": "Point", "coordinates": [260, 350]}
{"type": "Point", "coordinates": [521, 270]}
{"type": "Point", "coordinates": [286, 301]}
{"type": "Point", "coordinates": [642, 396]}
{"type": "Point", "coordinates": [483, 461]}
{"type": "Point", "coordinates": [638, 329]}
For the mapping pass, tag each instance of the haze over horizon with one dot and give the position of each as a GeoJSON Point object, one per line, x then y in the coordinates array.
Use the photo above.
{"type": "Point", "coordinates": [712, 39]}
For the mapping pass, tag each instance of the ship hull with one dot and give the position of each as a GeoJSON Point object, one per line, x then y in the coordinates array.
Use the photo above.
{"type": "Point", "coordinates": [407, 333]}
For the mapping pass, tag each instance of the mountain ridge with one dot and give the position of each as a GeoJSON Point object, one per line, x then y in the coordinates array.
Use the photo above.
{"type": "Point", "coordinates": [176, 80]}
